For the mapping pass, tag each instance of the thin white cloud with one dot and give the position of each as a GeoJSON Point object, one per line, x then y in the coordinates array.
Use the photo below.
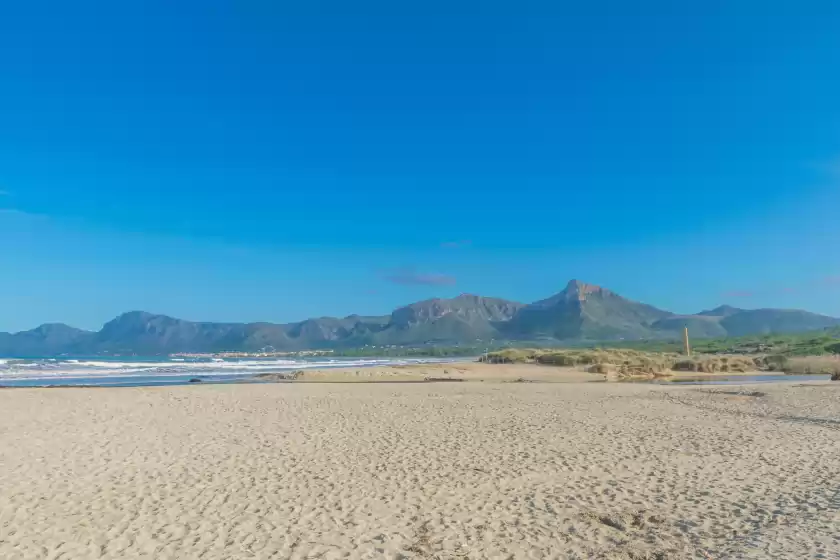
{"type": "Point", "coordinates": [409, 275]}
{"type": "Point", "coordinates": [456, 244]}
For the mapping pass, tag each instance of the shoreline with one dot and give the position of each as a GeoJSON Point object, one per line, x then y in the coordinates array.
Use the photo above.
{"type": "Point", "coordinates": [431, 372]}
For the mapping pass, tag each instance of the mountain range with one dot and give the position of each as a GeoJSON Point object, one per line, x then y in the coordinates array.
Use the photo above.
{"type": "Point", "coordinates": [579, 312]}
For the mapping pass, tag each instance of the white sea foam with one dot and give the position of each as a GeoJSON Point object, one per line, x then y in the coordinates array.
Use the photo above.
{"type": "Point", "coordinates": [56, 369]}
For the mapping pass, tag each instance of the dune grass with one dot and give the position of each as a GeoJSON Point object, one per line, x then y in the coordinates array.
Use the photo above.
{"type": "Point", "coordinates": [805, 365]}
{"type": "Point", "coordinates": [624, 362]}
{"type": "Point", "coordinates": [805, 353]}
{"type": "Point", "coordinates": [629, 363]}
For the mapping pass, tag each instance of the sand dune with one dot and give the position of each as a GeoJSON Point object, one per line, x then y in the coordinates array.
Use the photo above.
{"type": "Point", "coordinates": [450, 470]}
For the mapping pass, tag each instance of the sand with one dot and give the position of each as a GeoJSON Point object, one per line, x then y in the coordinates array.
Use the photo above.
{"type": "Point", "coordinates": [453, 371]}
{"type": "Point", "coordinates": [478, 372]}
{"type": "Point", "coordinates": [425, 470]}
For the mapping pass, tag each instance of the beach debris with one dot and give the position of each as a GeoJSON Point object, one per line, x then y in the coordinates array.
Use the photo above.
{"type": "Point", "coordinates": [625, 521]}
{"type": "Point", "coordinates": [422, 544]}
{"type": "Point", "coordinates": [738, 393]}
{"type": "Point", "coordinates": [280, 375]}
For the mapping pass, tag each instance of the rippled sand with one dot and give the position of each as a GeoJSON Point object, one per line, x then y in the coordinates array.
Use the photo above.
{"type": "Point", "coordinates": [449, 470]}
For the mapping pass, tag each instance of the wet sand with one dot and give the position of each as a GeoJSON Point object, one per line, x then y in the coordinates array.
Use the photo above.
{"type": "Point", "coordinates": [426, 470]}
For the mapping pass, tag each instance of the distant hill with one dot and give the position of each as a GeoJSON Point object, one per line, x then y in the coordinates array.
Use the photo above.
{"type": "Point", "coordinates": [579, 312]}
{"type": "Point", "coordinates": [722, 311]}
{"type": "Point", "coordinates": [46, 340]}
{"type": "Point", "coordinates": [765, 321]}
{"type": "Point", "coordinates": [584, 311]}
{"type": "Point", "coordinates": [461, 319]}
{"type": "Point", "coordinates": [699, 326]}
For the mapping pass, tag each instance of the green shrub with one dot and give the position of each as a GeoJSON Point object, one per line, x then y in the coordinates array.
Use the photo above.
{"type": "Point", "coordinates": [557, 359]}
{"type": "Point", "coordinates": [774, 362]}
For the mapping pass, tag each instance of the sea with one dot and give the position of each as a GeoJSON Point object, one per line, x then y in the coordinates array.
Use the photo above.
{"type": "Point", "coordinates": [133, 372]}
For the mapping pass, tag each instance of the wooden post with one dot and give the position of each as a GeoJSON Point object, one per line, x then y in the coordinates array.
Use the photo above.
{"type": "Point", "coordinates": [685, 342]}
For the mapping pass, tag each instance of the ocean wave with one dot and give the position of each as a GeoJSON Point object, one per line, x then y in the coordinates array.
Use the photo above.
{"type": "Point", "coordinates": [78, 368]}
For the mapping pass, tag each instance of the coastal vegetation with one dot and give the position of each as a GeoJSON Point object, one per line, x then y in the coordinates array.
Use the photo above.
{"type": "Point", "coordinates": [806, 365]}
{"type": "Point", "coordinates": [807, 353]}
{"type": "Point", "coordinates": [629, 362]}
{"type": "Point", "coordinates": [812, 343]}
{"type": "Point", "coordinates": [810, 352]}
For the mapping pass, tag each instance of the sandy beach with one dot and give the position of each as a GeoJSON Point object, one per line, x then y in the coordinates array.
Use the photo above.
{"type": "Point", "coordinates": [472, 371]}
{"type": "Point", "coordinates": [450, 371]}
{"type": "Point", "coordinates": [427, 470]}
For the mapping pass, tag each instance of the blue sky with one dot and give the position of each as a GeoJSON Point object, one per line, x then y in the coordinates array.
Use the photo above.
{"type": "Point", "coordinates": [257, 160]}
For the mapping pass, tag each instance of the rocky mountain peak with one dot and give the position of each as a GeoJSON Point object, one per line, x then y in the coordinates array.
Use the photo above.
{"type": "Point", "coordinates": [579, 290]}
{"type": "Point", "coordinates": [581, 311]}
{"type": "Point", "coordinates": [721, 311]}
